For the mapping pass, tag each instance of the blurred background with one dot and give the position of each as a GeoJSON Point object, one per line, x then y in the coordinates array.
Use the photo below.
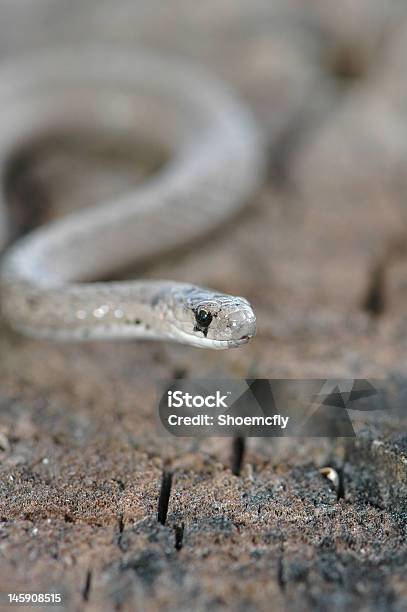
{"type": "Point", "coordinates": [319, 251]}
{"type": "Point", "coordinates": [324, 240]}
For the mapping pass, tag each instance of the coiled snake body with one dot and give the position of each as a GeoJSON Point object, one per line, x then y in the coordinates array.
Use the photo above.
{"type": "Point", "coordinates": [215, 162]}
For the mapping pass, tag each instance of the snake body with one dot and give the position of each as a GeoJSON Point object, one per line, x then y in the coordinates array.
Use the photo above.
{"type": "Point", "coordinates": [215, 163]}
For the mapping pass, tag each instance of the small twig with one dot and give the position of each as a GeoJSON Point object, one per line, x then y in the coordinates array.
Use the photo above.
{"type": "Point", "coordinates": [121, 523]}
{"type": "Point", "coordinates": [375, 299]}
{"type": "Point", "coordinates": [179, 536]}
{"type": "Point", "coordinates": [86, 588]}
{"type": "Point", "coordinates": [120, 534]}
{"type": "Point", "coordinates": [163, 500]}
{"type": "Point", "coordinates": [280, 572]}
{"type": "Point", "coordinates": [238, 450]}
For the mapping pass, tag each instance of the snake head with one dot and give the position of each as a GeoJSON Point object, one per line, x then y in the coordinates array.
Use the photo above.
{"type": "Point", "coordinates": [205, 318]}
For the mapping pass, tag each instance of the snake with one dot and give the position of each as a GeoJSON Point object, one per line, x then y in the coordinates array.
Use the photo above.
{"type": "Point", "coordinates": [49, 285]}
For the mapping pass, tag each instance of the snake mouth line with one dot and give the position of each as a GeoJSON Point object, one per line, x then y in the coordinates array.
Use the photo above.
{"type": "Point", "coordinates": [203, 342]}
{"type": "Point", "coordinates": [232, 343]}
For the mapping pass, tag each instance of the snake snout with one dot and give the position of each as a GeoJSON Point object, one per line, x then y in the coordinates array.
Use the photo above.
{"type": "Point", "coordinates": [242, 323]}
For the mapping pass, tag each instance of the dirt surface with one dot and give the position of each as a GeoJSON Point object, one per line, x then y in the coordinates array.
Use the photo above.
{"type": "Point", "coordinates": [320, 254]}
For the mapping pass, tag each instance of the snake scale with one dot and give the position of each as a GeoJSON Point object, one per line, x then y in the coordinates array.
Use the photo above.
{"type": "Point", "coordinates": [215, 162]}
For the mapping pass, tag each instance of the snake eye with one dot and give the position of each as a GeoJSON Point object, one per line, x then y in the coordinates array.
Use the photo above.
{"type": "Point", "coordinates": [203, 317]}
